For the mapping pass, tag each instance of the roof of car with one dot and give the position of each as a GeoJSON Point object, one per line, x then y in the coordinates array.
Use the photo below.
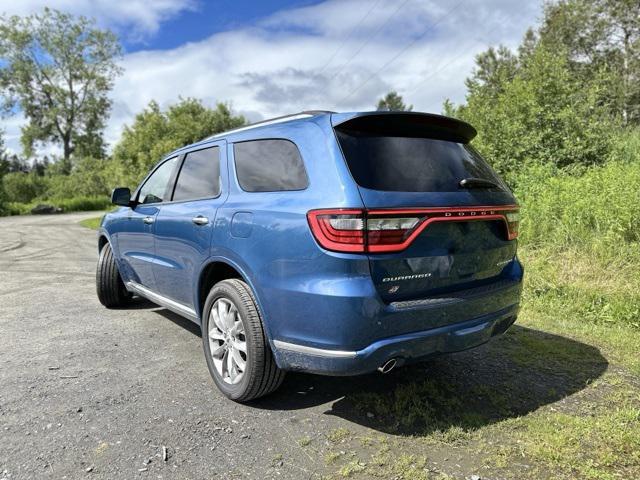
{"type": "Point", "coordinates": [461, 130]}
{"type": "Point", "coordinates": [272, 121]}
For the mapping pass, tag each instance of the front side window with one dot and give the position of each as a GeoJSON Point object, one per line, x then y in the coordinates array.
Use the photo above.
{"type": "Point", "coordinates": [199, 176]}
{"type": "Point", "coordinates": [154, 189]}
{"type": "Point", "coordinates": [269, 166]}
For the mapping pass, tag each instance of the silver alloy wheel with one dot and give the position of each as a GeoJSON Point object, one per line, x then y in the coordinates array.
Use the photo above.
{"type": "Point", "coordinates": [227, 341]}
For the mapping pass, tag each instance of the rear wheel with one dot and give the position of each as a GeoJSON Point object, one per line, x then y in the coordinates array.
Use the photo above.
{"type": "Point", "coordinates": [235, 345]}
{"type": "Point", "coordinates": [109, 285]}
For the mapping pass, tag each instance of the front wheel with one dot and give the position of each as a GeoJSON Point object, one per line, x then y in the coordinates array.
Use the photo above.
{"type": "Point", "coordinates": [109, 286]}
{"type": "Point", "coordinates": [235, 345]}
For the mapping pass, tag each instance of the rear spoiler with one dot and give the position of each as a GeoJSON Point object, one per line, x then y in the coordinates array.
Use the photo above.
{"type": "Point", "coordinates": [404, 124]}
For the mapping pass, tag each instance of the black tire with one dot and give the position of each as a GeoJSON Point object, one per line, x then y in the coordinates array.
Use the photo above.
{"type": "Point", "coordinates": [261, 375]}
{"type": "Point", "coordinates": [109, 285]}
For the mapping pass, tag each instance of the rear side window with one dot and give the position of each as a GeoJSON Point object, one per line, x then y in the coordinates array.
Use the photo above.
{"type": "Point", "coordinates": [199, 176]}
{"type": "Point", "coordinates": [269, 166]}
{"type": "Point", "coordinates": [411, 164]}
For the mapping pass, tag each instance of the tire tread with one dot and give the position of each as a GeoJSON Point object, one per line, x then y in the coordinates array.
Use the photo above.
{"type": "Point", "coordinates": [109, 285]}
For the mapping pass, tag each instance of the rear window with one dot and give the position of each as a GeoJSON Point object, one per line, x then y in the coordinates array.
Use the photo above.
{"type": "Point", "coordinates": [269, 166]}
{"type": "Point", "coordinates": [411, 164]}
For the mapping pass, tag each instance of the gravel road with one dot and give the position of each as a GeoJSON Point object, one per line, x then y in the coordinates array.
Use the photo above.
{"type": "Point", "coordinates": [87, 392]}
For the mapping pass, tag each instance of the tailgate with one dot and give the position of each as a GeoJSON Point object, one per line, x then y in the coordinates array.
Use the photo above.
{"type": "Point", "coordinates": [428, 232]}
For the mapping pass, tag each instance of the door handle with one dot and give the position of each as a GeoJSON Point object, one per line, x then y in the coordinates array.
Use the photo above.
{"type": "Point", "coordinates": [200, 220]}
{"type": "Point", "coordinates": [148, 220]}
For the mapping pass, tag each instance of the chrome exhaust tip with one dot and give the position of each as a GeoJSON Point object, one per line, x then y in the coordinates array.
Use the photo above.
{"type": "Point", "coordinates": [387, 366]}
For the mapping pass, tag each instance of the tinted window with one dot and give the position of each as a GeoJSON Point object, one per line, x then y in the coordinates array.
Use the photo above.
{"type": "Point", "coordinates": [269, 165]}
{"type": "Point", "coordinates": [153, 190]}
{"type": "Point", "coordinates": [411, 164]}
{"type": "Point", "coordinates": [199, 176]}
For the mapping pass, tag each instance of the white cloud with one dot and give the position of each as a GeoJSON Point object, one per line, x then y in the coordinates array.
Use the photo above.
{"type": "Point", "coordinates": [136, 18]}
{"type": "Point", "coordinates": [275, 66]}
{"type": "Point", "coordinates": [10, 130]}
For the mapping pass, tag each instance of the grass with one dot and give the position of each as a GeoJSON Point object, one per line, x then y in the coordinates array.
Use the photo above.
{"type": "Point", "coordinates": [354, 466]}
{"type": "Point", "coordinates": [600, 443]}
{"type": "Point", "coordinates": [304, 441]}
{"type": "Point", "coordinates": [599, 301]}
{"type": "Point", "coordinates": [338, 435]}
{"type": "Point", "coordinates": [92, 223]}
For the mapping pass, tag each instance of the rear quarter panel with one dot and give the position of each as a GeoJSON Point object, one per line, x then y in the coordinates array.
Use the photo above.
{"type": "Point", "coordinates": [267, 234]}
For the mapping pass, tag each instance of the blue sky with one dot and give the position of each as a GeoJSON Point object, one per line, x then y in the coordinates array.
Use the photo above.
{"type": "Point", "coordinates": [272, 57]}
{"type": "Point", "coordinates": [208, 17]}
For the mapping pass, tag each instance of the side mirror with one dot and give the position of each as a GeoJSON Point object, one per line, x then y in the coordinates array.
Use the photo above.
{"type": "Point", "coordinates": [121, 196]}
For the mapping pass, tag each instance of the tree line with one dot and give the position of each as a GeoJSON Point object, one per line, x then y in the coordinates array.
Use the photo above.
{"type": "Point", "coordinates": [564, 101]}
{"type": "Point", "coordinates": [57, 70]}
{"type": "Point", "coordinates": [566, 98]}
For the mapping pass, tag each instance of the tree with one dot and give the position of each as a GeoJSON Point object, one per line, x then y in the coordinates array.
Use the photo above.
{"type": "Point", "coordinates": [558, 101]}
{"type": "Point", "coordinates": [543, 115]}
{"type": "Point", "coordinates": [394, 103]}
{"type": "Point", "coordinates": [59, 70]}
{"type": "Point", "coordinates": [155, 133]}
{"type": "Point", "coordinates": [494, 69]}
{"type": "Point", "coordinates": [600, 36]}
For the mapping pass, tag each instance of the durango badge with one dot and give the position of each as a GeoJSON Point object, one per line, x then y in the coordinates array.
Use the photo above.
{"type": "Point", "coordinates": [406, 277]}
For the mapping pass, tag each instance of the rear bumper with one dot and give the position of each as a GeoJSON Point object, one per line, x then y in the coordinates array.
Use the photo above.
{"type": "Point", "coordinates": [406, 348]}
{"type": "Point", "coordinates": [341, 327]}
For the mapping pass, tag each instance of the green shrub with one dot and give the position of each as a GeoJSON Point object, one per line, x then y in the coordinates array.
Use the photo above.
{"type": "Point", "coordinates": [17, 208]}
{"type": "Point", "coordinates": [78, 204]}
{"type": "Point", "coordinates": [597, 211]}
{"type": "Point", "coordinates": [24, 187]}
{"type": "Point", "coordinates": [81, 204]}
{"type": "Point", "coordinates": [89, 177]}
{"type": "Point", "coordinates": [626, 146]}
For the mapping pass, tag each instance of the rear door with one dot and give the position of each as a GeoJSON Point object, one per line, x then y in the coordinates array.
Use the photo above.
{"type": "Point", "coordinates": [428, 234]}
{"type": "Point", "coordinates": [184, 226]}
{"type": "Point", "coordinates": [135, 240]}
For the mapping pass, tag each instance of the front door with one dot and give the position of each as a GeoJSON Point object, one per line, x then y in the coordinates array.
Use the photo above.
{"type": "Point", "coordinates": [135, 241]}
{"type": "Point", "coordinates": [184, 226]}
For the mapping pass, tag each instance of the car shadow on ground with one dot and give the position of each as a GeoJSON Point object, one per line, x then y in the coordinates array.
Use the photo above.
{"type": "Point", "coordinates": [507, 378]}
{"type": "Point", "coordinates": [177, 319]}
{"type": "Point", "coordinates": [510, 376]}
{"type": "Point", "coordinates": [139, 303]}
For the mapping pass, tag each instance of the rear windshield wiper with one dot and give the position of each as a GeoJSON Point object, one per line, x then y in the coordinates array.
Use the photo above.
{"type": "Point", "coordinates": [473, 182]}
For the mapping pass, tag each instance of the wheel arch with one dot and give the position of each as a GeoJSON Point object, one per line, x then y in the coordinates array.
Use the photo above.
{"type": "Point", "coordinates": [102, 241]}
{"type": "Point", "coordinates": [217, 269]}
{"type": "Point", "coordinates": [105, 239]}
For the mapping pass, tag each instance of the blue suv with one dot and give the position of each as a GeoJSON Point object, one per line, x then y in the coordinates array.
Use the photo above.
{"type": "Point", "coordinates": [333, 243]}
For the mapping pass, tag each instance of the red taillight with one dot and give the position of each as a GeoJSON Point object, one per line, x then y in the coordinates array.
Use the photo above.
{"type": "Point", "coordinates": [340, 230]}
{"type": "Point", "coordinates": [355, 230]}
